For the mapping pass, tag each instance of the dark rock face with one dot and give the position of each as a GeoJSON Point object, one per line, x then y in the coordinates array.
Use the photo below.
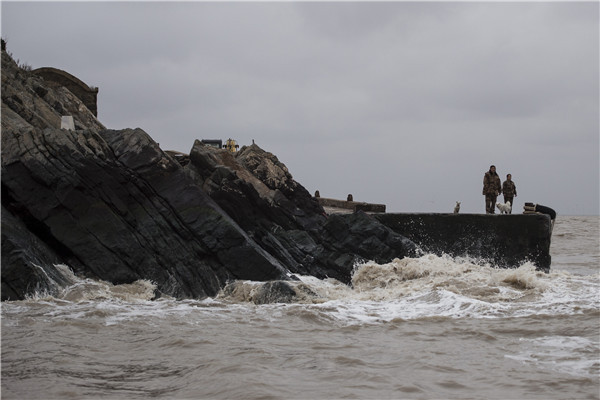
{"type": "Point", "coordinates": [258, 192]}
{"type": "Point", "coordinates": [113, 206]}
{"type": "Point", "coordinates": [27, 262]}
{"type": "Point", "coordinates": [128, 215]}
{"type": "Point", "coordinates": [504, 240]}
{"type": "Point", "coordinates": [362, 237]}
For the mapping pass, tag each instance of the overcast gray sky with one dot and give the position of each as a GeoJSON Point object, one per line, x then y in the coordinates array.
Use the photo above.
{"type": "Point", "coordinates": [406, 104]}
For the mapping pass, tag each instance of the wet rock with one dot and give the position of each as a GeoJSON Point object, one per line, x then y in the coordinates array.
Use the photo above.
{"type": "Point", "coordinates": [352, 238]}
{"type": "Point", "coordinates": [128, 211]}
{"type": "Point", "coordinates": [262, 293]}
{"type": "Point", "coordinates": [275, 292]}
{"type": "Point", "coordinates": [28, 264]}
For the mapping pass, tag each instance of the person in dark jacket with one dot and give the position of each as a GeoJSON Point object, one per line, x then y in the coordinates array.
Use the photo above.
{"type": "Point", "coordinates": [491, 189]}
{"type": "Point", "coordinates": [509, 190]}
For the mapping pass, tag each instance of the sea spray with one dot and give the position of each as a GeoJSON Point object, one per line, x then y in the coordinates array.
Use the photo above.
{"type": "Point", "coordinates": [85, 289]}
{"type": "Point", "coordinates": [524, 277]}
{"type": "Point", "coordinates": [462, 276]}
{"type": "Point", "coordinates": [408, 288]}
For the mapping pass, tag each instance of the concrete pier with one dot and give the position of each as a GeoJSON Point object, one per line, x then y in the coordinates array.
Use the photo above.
{"type": "Point", "coordinates": [350, 205]}
{"type": "Point", "coordinates": [505, 241]}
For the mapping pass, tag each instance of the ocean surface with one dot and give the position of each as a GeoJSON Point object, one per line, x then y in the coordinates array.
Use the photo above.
{"type": "Point", "coordinates": [421, 328]}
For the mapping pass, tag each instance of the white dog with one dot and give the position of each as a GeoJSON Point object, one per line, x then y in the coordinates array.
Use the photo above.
{"type": "Point", "coordinates": [457, 207]}
{"type": "Point", "coordinates": [504, 208]}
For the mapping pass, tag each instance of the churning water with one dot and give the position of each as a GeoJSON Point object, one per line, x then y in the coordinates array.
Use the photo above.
{"type": "Point", "coordinates": [427, 327]}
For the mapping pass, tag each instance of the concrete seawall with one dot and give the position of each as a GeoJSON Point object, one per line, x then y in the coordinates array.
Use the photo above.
{"type": "Point", "coordinates": [503, 240]}
{"type": "Point", "coordinates": [350, 205]}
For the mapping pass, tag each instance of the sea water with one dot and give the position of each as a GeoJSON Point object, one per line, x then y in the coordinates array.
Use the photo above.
{"type": "Point", "coordinates": [416, 328]}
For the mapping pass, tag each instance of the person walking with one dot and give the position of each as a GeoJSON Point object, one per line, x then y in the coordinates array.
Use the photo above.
{"type": "Point", "coordinates": [509, 190]}
{"type": "Point", "coordinates": [491, 189]}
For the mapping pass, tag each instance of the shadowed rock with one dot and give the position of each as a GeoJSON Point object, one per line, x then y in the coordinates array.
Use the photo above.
{"type": "Point", "coordinates": [28, 264]}
{"type": "Point", "coordinates": [127, 211]}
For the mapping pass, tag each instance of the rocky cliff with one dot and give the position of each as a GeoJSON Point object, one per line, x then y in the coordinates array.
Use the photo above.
{"type": "Point", "coordinates": [112, 205]}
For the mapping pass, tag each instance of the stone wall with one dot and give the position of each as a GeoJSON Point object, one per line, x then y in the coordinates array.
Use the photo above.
{"type": "Point", "coordinates": [351, 205]}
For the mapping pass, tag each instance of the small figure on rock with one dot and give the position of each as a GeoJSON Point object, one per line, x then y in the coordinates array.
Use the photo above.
{"type": "Point", "coordinates": [457, 207]}
{"type": "Point", "coordinates": [491, 189]}
{"type": "Point", "coordinates": [509, 190]}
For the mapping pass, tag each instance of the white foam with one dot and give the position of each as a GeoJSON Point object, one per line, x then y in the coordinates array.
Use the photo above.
{"type": "Point", "coordinates": [409, 288]}
{"type": "Point", "coordinates": [432, 286]}
{"type": "Point", "coordinates": [81, 289]}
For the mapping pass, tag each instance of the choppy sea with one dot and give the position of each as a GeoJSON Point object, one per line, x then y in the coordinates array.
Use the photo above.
{"type": "Point", "coordinates": [420, 328]}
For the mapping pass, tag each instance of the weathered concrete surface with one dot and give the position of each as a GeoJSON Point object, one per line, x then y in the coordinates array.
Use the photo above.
{"type": "Point", "coordinates": [504, 240]}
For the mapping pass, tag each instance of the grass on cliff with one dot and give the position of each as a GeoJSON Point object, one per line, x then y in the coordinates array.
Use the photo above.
{"type": "Point", "coordinates": [23, 66]}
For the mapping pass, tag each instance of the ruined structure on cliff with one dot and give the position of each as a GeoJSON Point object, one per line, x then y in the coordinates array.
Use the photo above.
{"type": "Point", "coordinates": [55, 77]}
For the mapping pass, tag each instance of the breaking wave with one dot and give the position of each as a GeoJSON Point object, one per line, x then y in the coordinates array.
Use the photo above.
{"type": "Point", "coordinates": [434, 286]}
{"type": "Point", "coordinates": [80, 290]}
{"type": "Point", "coordinates": [409, 288]}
